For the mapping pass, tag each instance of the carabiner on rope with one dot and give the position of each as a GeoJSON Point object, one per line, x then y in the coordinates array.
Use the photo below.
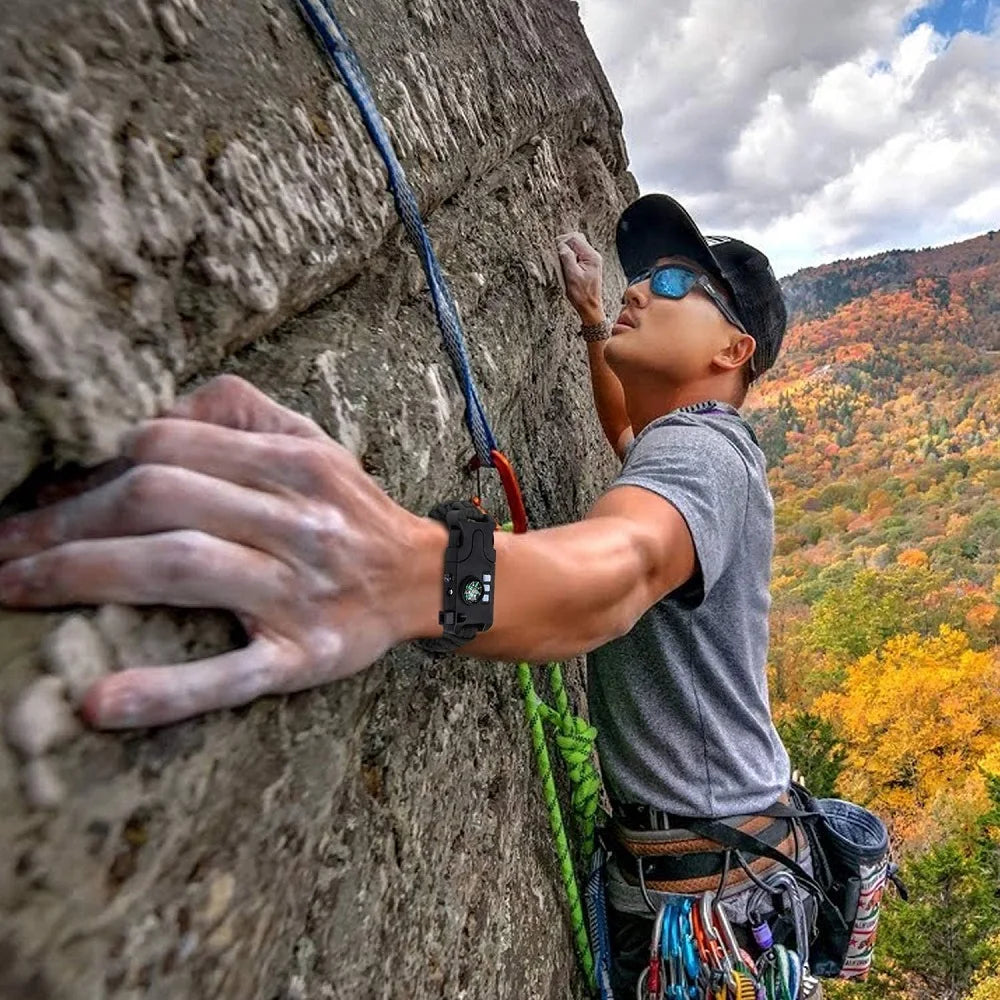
{"type": "Point", "coordinates": [510, 484]}
{"type": "Point", "coordinates": [654, 990]}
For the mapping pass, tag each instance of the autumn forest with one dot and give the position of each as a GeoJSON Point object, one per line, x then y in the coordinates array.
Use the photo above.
{"type": "Point", "coordinates": [881, 425]}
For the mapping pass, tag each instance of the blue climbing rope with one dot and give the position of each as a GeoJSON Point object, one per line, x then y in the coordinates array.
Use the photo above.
{"type": "Point", "coordinates": [341, 53]}
{"type": "Point", "coordinates": [597, 923]}
{"type": "Point", "coordinates": [574, 736]}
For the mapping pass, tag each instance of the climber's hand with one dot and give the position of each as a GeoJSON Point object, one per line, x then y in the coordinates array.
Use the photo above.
{"type": "Point", "coordinates": [235, 502]}
{"type": "Point", "coordinates": [583, 275]}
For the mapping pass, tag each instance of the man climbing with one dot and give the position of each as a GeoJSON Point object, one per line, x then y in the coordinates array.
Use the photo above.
{"type": "Point", "coordinates": [680, 701]}
{"type": "Point", "coordinates": [234, 501]}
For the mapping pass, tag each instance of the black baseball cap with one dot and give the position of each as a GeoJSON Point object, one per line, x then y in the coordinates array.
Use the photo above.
{"type": "Point", "coordinates": [658, 226]}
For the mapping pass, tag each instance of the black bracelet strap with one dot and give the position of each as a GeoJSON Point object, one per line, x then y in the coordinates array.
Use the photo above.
{"type": "Point", "coordinates": [448, 642]}
{"type": "Point", "coordinates": [459, 634]}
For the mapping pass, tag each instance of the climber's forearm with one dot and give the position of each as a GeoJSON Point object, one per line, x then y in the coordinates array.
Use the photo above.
{"type": "Point", "coordinates": [609, 397]}
{"type": "Point", "coordinates": [559, 592]}
{"type": "Point", "coordinates": [582, 271]}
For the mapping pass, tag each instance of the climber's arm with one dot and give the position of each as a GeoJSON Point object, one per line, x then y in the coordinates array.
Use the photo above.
{"type": "Point", "coordinates": [566, 590]}
{"type": "Point", "coordinates": [233, 501]}
{"type": "Point", "coordinates": [609, 397]}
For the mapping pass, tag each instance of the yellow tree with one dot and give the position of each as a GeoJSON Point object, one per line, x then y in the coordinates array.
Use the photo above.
{"type": "Point", "coordinates": [916, 717]}
{"type": "Point", "coordinates": [855, 618]}
{"type": "Point", "coordinates": [912, 557]}
{"type": "Point", "coordinates": [986, 984]}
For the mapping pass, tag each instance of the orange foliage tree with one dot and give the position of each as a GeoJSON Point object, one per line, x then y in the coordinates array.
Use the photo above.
{"type": "Point", "coordinates": [916, 717]}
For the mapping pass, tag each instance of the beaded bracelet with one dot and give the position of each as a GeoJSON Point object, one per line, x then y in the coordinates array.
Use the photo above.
{"type": "Point", "coordinates": [596, 331]}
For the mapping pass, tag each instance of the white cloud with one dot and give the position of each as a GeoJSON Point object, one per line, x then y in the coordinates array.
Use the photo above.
{"type": "Point", "coordinates": [820, 129]}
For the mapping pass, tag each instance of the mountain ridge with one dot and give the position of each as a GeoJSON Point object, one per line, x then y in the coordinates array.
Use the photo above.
{"type": "Point", "coordinates": [816, 291]}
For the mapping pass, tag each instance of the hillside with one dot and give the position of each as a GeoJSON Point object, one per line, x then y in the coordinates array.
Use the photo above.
{"type": "Point", "coordinates": [881, 419]}
{"type": "Point", "coordinates": [881, 424]}
{"type": "Point", "coordinates": [818, 291]}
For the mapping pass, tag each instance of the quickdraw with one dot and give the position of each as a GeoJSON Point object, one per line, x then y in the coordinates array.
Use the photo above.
{"type": "Point", "coordinates": [694, 955]}
{"type": "Point", "coordinates": [674, 971]}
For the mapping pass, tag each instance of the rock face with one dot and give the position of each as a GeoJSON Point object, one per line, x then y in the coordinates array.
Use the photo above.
{"type": "Point", "coordinates": [185, 189]}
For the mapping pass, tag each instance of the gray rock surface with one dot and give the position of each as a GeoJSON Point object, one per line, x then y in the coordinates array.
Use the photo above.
{"type": "Point", "coordinates": [185, 189]}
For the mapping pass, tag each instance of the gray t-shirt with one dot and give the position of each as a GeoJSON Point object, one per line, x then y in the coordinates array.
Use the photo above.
{"type": "Point", "coordinates": [681, 702]}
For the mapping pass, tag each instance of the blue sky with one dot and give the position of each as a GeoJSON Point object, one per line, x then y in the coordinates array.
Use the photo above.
{"type": "Point", "coordinates": [818, 129]}
{"type": "Point", "coordinates": [951, 16]}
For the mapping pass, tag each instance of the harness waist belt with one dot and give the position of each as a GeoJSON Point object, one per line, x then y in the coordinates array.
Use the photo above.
{"type": "Point", "coordinates": [678, 859]}
{"type": "Point", "coordinates": [637, 816]}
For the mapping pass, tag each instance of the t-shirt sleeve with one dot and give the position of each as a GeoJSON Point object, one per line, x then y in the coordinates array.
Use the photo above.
{"type": "Point", "coordinates": [701, 474]}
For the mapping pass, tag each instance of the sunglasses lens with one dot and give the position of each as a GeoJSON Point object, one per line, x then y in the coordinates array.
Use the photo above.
{"type": "Point", "coordinates": [672, 282]}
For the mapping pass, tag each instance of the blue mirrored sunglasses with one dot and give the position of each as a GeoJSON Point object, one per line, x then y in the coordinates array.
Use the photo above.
{"type": "Point", "coordinates": [674, 281]}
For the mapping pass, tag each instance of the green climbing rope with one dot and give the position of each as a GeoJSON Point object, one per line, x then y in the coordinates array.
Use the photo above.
{"type": "Point", "coordinates": [575, 739]}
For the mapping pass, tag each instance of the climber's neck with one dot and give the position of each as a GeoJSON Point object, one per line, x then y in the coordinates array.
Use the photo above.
{"type": "Point", "coordinates": [644, 407]}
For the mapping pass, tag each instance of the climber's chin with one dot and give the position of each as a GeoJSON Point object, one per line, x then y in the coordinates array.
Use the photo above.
{"type": "Point", "coordinates": [639, 360]}
{"type": "Point", "coordinates": [622, 352]}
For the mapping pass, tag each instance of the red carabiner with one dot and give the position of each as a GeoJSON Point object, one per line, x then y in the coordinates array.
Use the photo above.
{"type": "Point", "coordinates": [511, 488]}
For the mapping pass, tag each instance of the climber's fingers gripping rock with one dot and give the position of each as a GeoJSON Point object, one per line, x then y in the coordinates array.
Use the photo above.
{"type": "Point", "coordinates": [232, 501]}
{"type": "Point", "coordinates": [582, 270]}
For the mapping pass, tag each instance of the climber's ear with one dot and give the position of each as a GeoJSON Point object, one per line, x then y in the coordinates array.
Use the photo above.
{"type": "Point", "coordinates": [231, 401]}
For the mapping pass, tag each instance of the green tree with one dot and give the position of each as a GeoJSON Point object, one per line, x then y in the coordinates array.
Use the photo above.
{"type": "Point", "coordinates": [852, 620]}
{"type": "Point", "coordinates": [946, 938]}
{"type": "Point", "coordinates": [942, 933]}
{"type": "Point", "coordinates": [814, 749]}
